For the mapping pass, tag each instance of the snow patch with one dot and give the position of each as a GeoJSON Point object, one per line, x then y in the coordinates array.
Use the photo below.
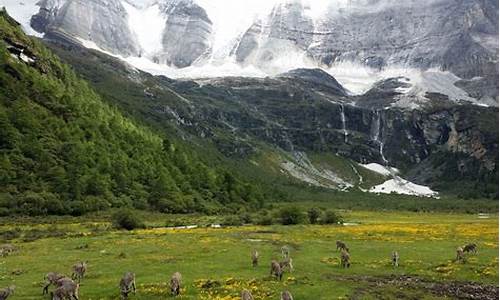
{"type": "Point", "coordinates": [148, 24]}
{"type": "Point", "coordinates": [22, 10]}
{"type": "Point", "coordinates": [302, 169]}
{"type": "Point", "coordinates": [397, 184]}
{"type": "Point", "coordinates": [378, 168]}
{"type": "Point", "coordinates": [400, 186]}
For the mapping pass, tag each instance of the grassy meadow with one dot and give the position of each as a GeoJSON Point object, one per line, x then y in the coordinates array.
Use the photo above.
{"type": "Point", "coordinates": [215, 262]}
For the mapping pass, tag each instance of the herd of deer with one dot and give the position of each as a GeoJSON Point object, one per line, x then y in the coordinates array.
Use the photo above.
{"type": "Point", "coordinates": [66, 288]}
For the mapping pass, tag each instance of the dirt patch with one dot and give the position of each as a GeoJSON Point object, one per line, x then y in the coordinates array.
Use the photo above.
{"type": "Point", "coordinates": [453, 289]}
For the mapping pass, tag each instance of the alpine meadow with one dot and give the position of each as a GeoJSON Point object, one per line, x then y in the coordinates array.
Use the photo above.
{"type": "Point", "coordinates": [232, 150]}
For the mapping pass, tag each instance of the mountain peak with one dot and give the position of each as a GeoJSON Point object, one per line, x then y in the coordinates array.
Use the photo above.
{"type": "Point", "coordinates": [315, 76]}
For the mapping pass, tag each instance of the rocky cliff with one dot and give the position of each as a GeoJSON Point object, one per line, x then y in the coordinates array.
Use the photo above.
{"type": "Point", "coordinates": [448, 146]}
{"type": "Point", "coordinates": [187, 35]}
{"type": "Point", "coordinates": [286, 29]}
{"type": "Point", "coordinates": [103, 22]}
{"type": "Point", "coordinates": [379, 39]}
{"type": "Point", "coordinates": [307, 112]}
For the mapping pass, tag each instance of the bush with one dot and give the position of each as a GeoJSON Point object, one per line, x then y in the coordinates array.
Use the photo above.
{"type": "Point", "coordinates": [126, 219]}
{"type": "Point", "coordinates": [330, 217]}
{"type": "Point", "coordinates": [291, 215]}
{"type": "Point", "coordinates": [232, 221]}
{"type": "Point", "coordinates": [264, 219]}
{"type": "Point", "coordinates": [11, 234]}
{"type": "Point", "coordinates": [246, 218]}
{"type": "Point", "coordinates": [313, 214]}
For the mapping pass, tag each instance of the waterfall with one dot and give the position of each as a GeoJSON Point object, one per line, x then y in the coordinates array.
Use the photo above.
{"type": "Point", "coordinates": [342, 117]}
{"type": "Point", "coordinates": [376, 124]}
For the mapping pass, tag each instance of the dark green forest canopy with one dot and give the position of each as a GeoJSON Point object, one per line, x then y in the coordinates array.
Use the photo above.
{"type": "Point", "coordinates": [64, 151]}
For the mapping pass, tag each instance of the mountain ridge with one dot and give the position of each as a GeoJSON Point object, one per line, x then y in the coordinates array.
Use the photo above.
{"type": "Point", "coordinates": [464, 44]}
{"type": "Point", "coordinates": [244, 118]}
{"type": "Point", "coordinates": [63, 150]}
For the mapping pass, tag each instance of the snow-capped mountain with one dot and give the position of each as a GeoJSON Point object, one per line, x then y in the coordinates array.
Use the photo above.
{"type": "Point", "coordinates": [102, 21]}
{"type": "Point", "coordinates": [440, 46]}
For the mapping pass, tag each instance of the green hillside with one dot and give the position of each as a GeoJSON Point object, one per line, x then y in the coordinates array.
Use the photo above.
{"type": "Point", "coordinates": [63, 150]}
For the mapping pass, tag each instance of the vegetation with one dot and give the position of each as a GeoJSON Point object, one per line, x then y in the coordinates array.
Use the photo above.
{"type": "Point", "coordinates": [291, 215]}
{"type": "Point", "coordinates": [467, 179]}
{"type": "Point", "coordinates": [330, 217]}
{"type": "Point", "coordinates": [126, 219]}
{"type": "Point", "coordinates": [215, 262]}
{"type": "Point", "coordinates": [313, 214]}
{"type": "Point", "coordinates": [64, 151]}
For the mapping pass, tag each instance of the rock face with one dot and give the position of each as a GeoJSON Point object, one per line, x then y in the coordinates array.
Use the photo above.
{"type": "Point", "coordinates": [46, 15]}
{"type": "Point", "coordinates": [287, 29]}
{"type": "Point", "coordinates": [317, 77]}
{"type": "Point", "coordinates": [187, 35]}
{"type": "Point", "coordinates": [461, 36]}
{"type": "Point", "coordinates": [103, 22]}
{"type": "Point", "coordinates": [450, 35]}
{"type": "Point", "coordinates": [300, 111]}
{"type": "Point", "coordinates": [445, 145]}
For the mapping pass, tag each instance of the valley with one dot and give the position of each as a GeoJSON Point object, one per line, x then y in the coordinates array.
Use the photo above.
{"type": "Point", "coordinates": [353, 143]}
{"type": "Point", "coordinates": [215, 262]}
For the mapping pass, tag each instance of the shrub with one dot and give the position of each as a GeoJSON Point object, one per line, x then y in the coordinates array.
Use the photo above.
{"type": "Point", "coordinates": [330, 217]}
{"type": "Point", "coordinates": [246, 218]}
{"type": "Point", "coordinates": [313, 214]}
{"type": "Point", "coordinates": [291, 215]}
{"type": "Point", "coordinates": [126, 219]}
{"type": "Point", "coordinates": [10, 234]}
{"type": "Point", "coordinates": [232, 221]}
{"type": "Point", "coordinates": [264, 218]}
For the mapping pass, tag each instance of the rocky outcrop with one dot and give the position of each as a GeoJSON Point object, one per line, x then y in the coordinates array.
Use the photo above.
{"type": "Point", "coordinates": [103, 22]}
{"type": "Point", "coordinates": [300, 111]}
{"type": "Point", "coordinates": [453, 35]}
{"type": "Point", "coordinates": [459, 36]}
{"type": "Point", "coordinates": [286, 29]}
{"type": "Point", "coordinates": [318, 78]}
{"type": "Point", "coordinates": [187, 35]}
{"type": "Point", "coordinates": [46, 15]}
{"type": "Point", "coordinates": [443, 145]}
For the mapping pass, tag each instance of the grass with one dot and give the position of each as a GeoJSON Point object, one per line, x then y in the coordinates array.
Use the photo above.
{"type": "Point", "coordinates": [215, 263]}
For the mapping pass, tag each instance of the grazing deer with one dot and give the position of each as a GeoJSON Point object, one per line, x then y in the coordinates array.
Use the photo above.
{"type": "Point", "coordinates": [175, 283]}
{"type": "Point", "coordinates": [255, 258]}
{"type": "Point", "coordinates": [286, 295]}
{"type": "Point", "coordinates": [345, 259]}
{"type": "Point", "coordinates": [460, 255]}
{"type": "Point", "coordinates": [470, 248]}
{"type": "Point", "coordinates": [341, 246]}
{"type": "Point", "coordinates": [51, 279]}
{"type": "Point", "coordinates": [285, 251]}
{"type": "Point", "coordinates": [7, 249]}
{"type": "Point", "coordinates": [6, 292]}
{"type": "Point", "coordinates": [276, 270]}
{"type": "Point", "coordinates": [246, 295]}
{"type": "Point", "coordinates": [66, 289]}
{"type": "Point", "coordinates": [287, 264]}
{"type": "Point", "coordinates": [395, 259]}
{"type": "Point", "coordinates": [79, 271]}
{"type": "Point", "coordinates": [127, 285]}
